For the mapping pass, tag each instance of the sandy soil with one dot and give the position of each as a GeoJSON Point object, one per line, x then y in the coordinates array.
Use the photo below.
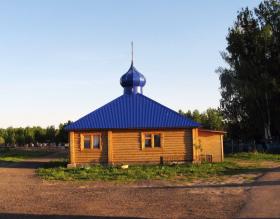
{"type": "Point", "coordinates": [264, 200]}
{"type": "Point", "coordinates": [24, 195]}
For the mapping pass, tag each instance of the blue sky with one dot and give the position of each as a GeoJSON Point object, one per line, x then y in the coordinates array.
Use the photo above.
{"type": "Point", "coordinates": [61, 59]}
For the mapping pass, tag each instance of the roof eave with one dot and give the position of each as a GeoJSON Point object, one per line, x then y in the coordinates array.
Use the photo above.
{"type": "Point", "coordinates": [129, 128]}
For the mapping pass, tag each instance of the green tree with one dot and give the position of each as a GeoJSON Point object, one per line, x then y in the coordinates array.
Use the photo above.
{"type": "Point", "coordinates": [10, 137]}
{"type": "Point", "coordinates": [29, 135]}
{"type": "Point", "coordinates": [210, 119]}
{"type": "Point", "coordinates": [62, 135]}
{"type": "Point", "coordinates": [196, 116]}
{"type": "Point", "coordinates": [50, 134]}
{"type": "Point", "coordinates": [2, 135]}
{"type": "Point", "coordinates": [19, 136]}
{"type": "Point", "coordinates": [2, 140]}
{"type": "Point", "coordinates": [213, 119]}
{"type": "Point", "coordinates": [39, 134]}
{"type": "Point", "coordinates": [250, 85]}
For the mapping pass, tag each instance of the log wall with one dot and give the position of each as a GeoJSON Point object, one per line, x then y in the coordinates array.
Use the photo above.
{"type": "Point", "coordinates": [211, 144]}
{"type": "Point", "coordinates": [90, 155]}
{"type": "Point", "coordinates": [127, 147]}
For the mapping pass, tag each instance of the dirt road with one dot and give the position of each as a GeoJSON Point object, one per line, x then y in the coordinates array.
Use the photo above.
{"type": "Point", "coordinates": [24, 195]}
{"type": "Point", "coordinates": [264, 197]}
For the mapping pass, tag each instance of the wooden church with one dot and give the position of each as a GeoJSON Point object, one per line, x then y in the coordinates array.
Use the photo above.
{"type": "Point", "coordinates": [134, 129]}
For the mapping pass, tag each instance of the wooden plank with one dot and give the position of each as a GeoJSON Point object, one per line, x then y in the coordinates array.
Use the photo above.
{"type": "Point", "coordinates": [110, 148]}
{"type": "Point", "coordinates": [195, 144]}
{"type": "Point", "coordinates": [72, 147]}
{"type": "Point", "coordinates": [81, 142]}
{"type": "Point", "coordinates": [222, 148]}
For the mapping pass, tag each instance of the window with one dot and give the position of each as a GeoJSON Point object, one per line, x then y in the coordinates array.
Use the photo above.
{"type": "Point", "coordinates": [87, 142]}
{"type": "Point", "coordinates": [157, 142]}
{"type": "Point", "coordinates": [152, 140]}
{"type": "Point", "coordinates": [90, 141]}
{"type": "Point", "coordinates": [96, 141]}
{"type": "Point", "coordinates": [148, 140]}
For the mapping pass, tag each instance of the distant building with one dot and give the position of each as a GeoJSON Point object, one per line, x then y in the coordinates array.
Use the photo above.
{"type": "Point", "coordinates": [136, 129]}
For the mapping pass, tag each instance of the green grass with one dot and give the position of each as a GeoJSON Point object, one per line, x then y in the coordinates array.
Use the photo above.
{"type": "Point", "coordinates": [234, 164]}
{"type": "Point", "coordinates": [16, 155]}
{"type": "Point", "coordinates": [142, 172]}
{"type": "Point", "coordinates": [255, 157]}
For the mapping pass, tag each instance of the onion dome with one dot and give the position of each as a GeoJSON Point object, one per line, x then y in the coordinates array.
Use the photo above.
{"type": "Point", "coordinates": [133, 81]}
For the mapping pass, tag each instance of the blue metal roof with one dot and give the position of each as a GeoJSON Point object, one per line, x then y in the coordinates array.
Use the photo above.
{"type": "Point", "coordinates": [134, 111]}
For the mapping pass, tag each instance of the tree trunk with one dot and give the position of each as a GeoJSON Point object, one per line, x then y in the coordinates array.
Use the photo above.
{"type": "Point", "coordinates": [267, 132]}
{"type": "Point", "coordinates": [267, 122]}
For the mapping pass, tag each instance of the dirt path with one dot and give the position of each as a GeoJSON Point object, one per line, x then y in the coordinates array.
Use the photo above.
{"type": "Point", "coordinates": [264, 197]}
{"type": "Point", "coordinates": [24, 195]}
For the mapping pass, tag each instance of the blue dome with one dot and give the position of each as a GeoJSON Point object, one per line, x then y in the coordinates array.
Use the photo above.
{"type": "Point", "coordinates": [133, 81]}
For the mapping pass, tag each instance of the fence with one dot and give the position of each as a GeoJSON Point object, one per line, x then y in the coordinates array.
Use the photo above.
{"type": "Point", "coordinates": [233, 147]}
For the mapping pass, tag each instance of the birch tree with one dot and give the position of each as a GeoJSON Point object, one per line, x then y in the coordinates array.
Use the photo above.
{"type": "Point", "coordinates": [250, 83]}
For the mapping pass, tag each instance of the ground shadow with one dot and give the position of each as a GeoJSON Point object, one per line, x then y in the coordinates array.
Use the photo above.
{"type": "Point", "coordinates": [31, 164]}
{"type": "Point", "coordinates": [34, 216]}
{"type": "Point", "coordinates": [254, 218]}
